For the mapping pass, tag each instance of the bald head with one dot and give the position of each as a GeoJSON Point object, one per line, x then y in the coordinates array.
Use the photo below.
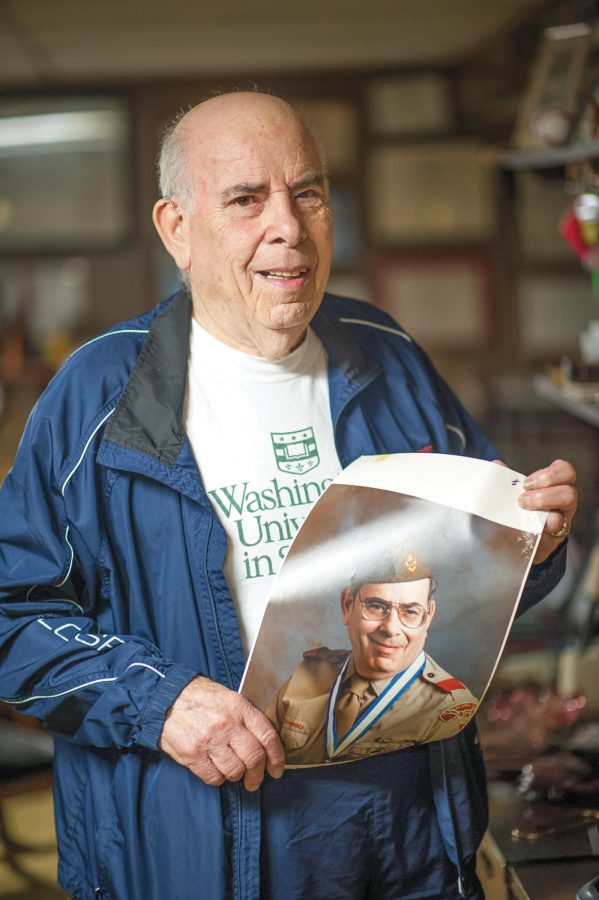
{"type": "Point", "coordinates": [216, 124]}
{"type": "Point", "coordinates": [245, 215]}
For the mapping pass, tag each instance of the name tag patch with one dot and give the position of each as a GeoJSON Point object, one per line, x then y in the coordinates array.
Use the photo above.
{"type": "Point", "coordinates": [293, 725]}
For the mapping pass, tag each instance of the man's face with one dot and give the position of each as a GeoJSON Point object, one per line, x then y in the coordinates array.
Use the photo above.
{"type": "Point", "coordinates": [381, 649]}
{"type": "Point", "coordinates": [259, 234]}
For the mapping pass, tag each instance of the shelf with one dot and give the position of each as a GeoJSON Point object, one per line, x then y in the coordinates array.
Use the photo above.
{"type": "Point", "coordinates": [545, 388]}
{"type": "Point", "coordinates": [549, 157]}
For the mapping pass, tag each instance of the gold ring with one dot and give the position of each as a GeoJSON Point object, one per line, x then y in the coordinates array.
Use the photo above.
{"type": "Point", "coordinates": [564, 530]}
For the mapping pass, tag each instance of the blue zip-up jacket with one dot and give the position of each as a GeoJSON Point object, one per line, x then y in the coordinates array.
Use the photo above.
{"type": "Point", "coordinates": [112, 597]}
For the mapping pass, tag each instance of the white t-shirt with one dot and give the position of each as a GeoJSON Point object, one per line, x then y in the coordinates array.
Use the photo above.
{"type": "Point", "coordinates": [262, 437]}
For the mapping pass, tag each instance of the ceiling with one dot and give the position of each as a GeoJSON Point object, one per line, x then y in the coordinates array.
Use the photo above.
{"type": "Point", "coordinates": [58, 42]}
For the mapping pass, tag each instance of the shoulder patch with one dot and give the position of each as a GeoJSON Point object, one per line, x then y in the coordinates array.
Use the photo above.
{"type": "Point", "coordinates": [308, 654]}
{"type": "Point", "coordinates": [462, 711]}
{"type": "Point", "coordinates": [451, 684]}
{"type": "Point", "coordinates": [323, 653]}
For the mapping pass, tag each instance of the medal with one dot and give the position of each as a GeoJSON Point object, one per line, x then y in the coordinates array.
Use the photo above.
{"type": "Point", "coordinates": [396, 687]}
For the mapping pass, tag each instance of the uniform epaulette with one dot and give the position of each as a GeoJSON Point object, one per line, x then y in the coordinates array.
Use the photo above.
{"type": "Point", "coordinates": [323, 653]}
{"type": "Point", "coordinates": [451, 684]}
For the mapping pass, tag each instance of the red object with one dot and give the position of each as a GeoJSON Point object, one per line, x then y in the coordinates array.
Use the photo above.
{"type": "Point", "coordinates": [307, 654]}
{"type": "Point", "coordinates": [570, 228]}
{"type": "Point", "coordinates": [450, 684]}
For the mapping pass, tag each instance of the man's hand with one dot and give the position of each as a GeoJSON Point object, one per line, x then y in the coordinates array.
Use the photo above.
{"type": "Point", "coordinates": [552, 489]}
{"type": "Point", "coordinates": [220, 736]}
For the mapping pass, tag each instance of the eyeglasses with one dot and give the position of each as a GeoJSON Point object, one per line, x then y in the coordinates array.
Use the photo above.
{"type": "Point", "coordinates": [373, 609]}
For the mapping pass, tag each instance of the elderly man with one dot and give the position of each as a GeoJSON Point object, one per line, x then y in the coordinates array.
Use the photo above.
{"type": "Point", "coordinates": [131, 582]}
{"type": "Point", "coordinates": [384, 694]}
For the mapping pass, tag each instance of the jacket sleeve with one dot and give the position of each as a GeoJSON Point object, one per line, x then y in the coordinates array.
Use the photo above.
{"type": "Point", "coordinates": [543, 578]}
{"type": "Point", "coordinates": [451, 427]}
{"type": "Point", "coordinates": [56, 663]}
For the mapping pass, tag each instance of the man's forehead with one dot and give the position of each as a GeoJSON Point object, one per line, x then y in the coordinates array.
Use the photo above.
{"type": "Point", "coordinates": [244, 136]}
{"type": "Point", "coordinates": [256, 166]}
{"type": "Point", "coordinates": [412, 588]}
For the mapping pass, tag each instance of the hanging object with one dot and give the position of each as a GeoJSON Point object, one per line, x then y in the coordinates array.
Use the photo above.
{"type": "Point", "coordinates": [580, 228]}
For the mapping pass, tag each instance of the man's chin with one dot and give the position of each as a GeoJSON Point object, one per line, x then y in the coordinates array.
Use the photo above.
{"type": "Point", "coordinates": [386, 667]}
{"type": "Point", "coordinates": [292, 312]}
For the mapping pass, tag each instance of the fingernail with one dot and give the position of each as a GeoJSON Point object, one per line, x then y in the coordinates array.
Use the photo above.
{"type": "Point", "coordinates": [524, 501]}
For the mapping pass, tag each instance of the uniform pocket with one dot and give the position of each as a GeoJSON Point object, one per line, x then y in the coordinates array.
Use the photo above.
{"type": "Point", "coordinates": [293, 734]}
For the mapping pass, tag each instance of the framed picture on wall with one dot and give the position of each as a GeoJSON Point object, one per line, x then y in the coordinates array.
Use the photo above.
{"type": "Point", "coordinates": [336, 125]}
{"type": "Point", "coordinates": [553, 310]}
{"type": "Point", "coordinates": [441, 299]}
{"type": "Point", "coordinates": [66, 174]}
{"type": "Point", "coordinates": [420, 193]}
{"type": "Point", "coordinates": [548, 110]}
{"type": "Point", "coordinates": [406, 105]}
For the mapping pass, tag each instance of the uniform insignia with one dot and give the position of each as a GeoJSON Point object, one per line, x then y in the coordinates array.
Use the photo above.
{"type": "Point", "coordinates": [293, 725]}
{"type": "Point", "coordinates": [334, 657]}
{"type": "Point", "coordinates": [459, 711]}
{"type": "Point", "coordinates": [451, 684]}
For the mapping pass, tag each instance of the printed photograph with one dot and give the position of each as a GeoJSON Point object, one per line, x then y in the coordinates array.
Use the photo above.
{"type": "Point", "coordinates": [390, 612]}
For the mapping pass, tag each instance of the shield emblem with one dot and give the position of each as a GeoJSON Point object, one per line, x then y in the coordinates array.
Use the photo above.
{"type": "Point", "coordinates": [295, 451]}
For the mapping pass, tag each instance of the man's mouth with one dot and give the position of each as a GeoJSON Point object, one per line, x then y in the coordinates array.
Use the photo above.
{"type": "Point", "coordinates": [287, 275]}
{"type": "Point", "coordinates": [386, 648]}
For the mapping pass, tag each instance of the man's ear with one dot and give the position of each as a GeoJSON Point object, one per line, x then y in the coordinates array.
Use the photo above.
{"type": "Point", "coordinates": [431, 612]}
{"type": "Point", "coordinates": [347, 601]}
{"type": "Point", "coordinates": [172, 226]}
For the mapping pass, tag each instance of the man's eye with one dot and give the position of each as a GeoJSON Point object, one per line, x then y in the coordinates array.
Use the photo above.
{"type": "Point", "coordinates": [376, 606]}
{"type": "Point", "coordinates": [309, 196]}
{"type": "Point", "coordinates": [244, 201]}
{"type": "Point", "coordinates": [412, 612]}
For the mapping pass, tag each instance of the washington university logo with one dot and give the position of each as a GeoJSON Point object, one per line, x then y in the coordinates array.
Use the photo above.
{"type": "Point", "coordinates": [295, 451]}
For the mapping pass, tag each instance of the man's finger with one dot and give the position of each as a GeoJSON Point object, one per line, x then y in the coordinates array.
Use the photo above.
{"type": "Point", "coordinates": [253, 755]}
{"type": "Point", "coordinates": [227, 762]}
{"type": "Point", "coordinates": [557, 498]}
{"type": "Point", "coordinates": [207, 772]}
{"type": "Point", "coordinates": [555, 521]}
{"type": "Point", "coordinates": [257, 723]}
{"type": "Point", "coordinates": [559, 472]}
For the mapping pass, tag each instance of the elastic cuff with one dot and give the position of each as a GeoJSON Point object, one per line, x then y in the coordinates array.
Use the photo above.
{"type": "Point", "coordinates": [543, 578]}
{"type": "Point", "coordinates": [167, 690]}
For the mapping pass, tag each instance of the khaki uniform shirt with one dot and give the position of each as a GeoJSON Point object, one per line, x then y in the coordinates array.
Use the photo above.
{"type": "Point", "coordinates": [434, 706]}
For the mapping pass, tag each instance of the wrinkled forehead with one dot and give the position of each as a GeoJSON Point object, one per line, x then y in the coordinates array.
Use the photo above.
{"type": "Point", "coordinates": [248, 141]}
{"type": "Point", "coordinates": [403, 591]}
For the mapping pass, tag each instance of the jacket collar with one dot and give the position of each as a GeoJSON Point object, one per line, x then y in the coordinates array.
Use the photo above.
{"type": "Point", "coordinates": [149, 415]}
{"type": "Point", "coordinates": [343, 351]}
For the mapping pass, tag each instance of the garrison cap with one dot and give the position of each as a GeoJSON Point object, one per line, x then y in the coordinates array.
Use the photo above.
{"type": "Point", "coordinates": [401, 563]}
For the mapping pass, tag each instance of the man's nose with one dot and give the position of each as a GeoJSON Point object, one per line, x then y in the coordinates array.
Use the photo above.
{"type": "Point", "coordinates": [392, 624]}
{"type": "Point", "coordinates": [285, 223]}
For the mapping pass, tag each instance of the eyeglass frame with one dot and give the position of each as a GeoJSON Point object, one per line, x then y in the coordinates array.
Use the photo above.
{"type": "Point", "coordinates": [396, 605]}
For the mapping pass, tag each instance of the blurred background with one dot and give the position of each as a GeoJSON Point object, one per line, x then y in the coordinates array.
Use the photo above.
{"type": "Point", "coordinates": [463, 144]}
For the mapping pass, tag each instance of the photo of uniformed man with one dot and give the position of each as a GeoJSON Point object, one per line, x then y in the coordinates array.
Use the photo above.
{"type": "Point", "coordinates": [386, 692]}
{"type": "Point", "coordinates": [390, 612]}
